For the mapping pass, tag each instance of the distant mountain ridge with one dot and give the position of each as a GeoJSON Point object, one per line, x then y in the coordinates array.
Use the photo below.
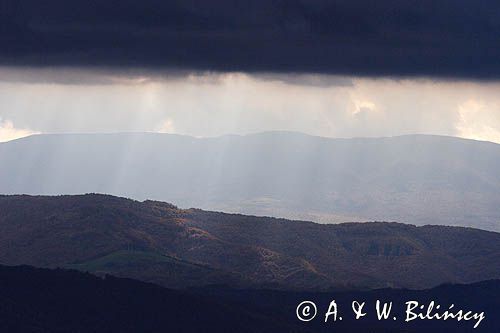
{"type": "Point", "coordinates": [158, 242]}
{"type": "Point", "coordinates": [416, 179]}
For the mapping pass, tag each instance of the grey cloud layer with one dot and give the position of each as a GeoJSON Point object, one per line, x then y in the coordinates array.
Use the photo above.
{"type": "Point", "coordinates": [442, 38]}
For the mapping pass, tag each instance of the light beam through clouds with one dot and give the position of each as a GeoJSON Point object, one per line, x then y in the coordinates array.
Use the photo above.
{"type": "Point", "coordinates": [212, 104]}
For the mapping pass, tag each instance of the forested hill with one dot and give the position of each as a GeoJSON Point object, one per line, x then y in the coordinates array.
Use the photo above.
{"type": "Point", "coordinates": [158, 242]}
{"type": "Point", "coordinates": [42, 300]}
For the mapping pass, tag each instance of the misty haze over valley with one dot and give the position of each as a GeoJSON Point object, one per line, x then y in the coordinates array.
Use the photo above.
{"type": "Point", "coordinates": [417, 179]}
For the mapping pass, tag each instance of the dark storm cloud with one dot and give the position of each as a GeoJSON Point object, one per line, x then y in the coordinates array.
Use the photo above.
{"type": "Point", "coordinates": [447, 38]}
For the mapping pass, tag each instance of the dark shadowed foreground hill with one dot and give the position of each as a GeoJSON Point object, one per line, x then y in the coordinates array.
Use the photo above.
{"type": "Point", "coordinates": [415, 179]}
{"type": "Point", "coordinates": [41, 300]}
{"type": "Point", "coordinates": [157, 242]}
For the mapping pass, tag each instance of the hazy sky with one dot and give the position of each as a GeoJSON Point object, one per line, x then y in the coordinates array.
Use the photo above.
{"type": "Point", "coordinates": [211, 104]}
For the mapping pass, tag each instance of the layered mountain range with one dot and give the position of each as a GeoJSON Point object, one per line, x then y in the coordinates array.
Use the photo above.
{"type": "Point", "coordinates": [416, 179]}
